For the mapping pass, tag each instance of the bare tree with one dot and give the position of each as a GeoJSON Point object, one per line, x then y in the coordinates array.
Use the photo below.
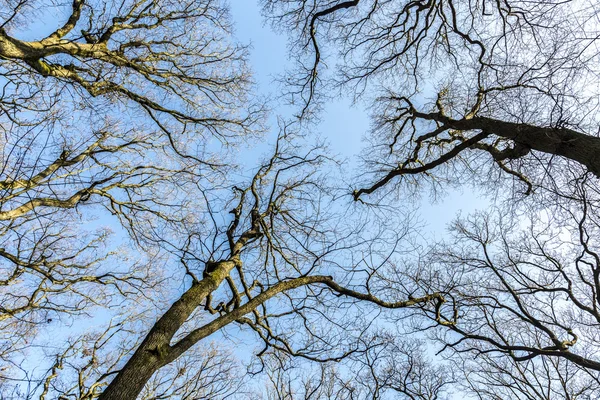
{"type": "Point", "coordinates": [125, 112]}
{"type": "Point", "coordinates": [80, 369]}
{"type": "Point", "coordinates": [286, 381]}
{"type": "Point", "coordinates": [106, 120]}
{"type": "Point", "coordinates": [515, 81]}
{"type": "Point", "coordinates": [268, 270]}
{"type": "Point", "coordinates": [522, 302]}
{"type": "Point", "coordinates": [478, 92]}
{"type": "Point", "coordinates": [172, 60]}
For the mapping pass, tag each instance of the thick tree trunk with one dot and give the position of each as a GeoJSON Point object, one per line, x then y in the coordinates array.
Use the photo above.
{"type": "Point", "coordinates": [130, 381]}
{"type": "Point", "coordinates": [576, 146]}
{"type": "Point", "coordinates": [153, 353]}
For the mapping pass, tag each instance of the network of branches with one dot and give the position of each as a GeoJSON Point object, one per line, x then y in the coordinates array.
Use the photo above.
{"type": "Point", "coordinates": [144, 254]}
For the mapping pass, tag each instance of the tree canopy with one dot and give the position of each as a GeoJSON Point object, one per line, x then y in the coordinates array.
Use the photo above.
{"type": "Point", "coordinates": [126, 199]}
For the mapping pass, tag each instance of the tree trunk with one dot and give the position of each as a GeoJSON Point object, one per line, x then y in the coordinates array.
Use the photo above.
{"type": "Point", "coordinates": [153, 353]}
{"type": "Point", "coordinates": [576, 146]}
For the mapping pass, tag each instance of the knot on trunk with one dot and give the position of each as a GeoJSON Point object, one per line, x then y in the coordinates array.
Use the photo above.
{"type": "Point", "coordinates": [160, 352]}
